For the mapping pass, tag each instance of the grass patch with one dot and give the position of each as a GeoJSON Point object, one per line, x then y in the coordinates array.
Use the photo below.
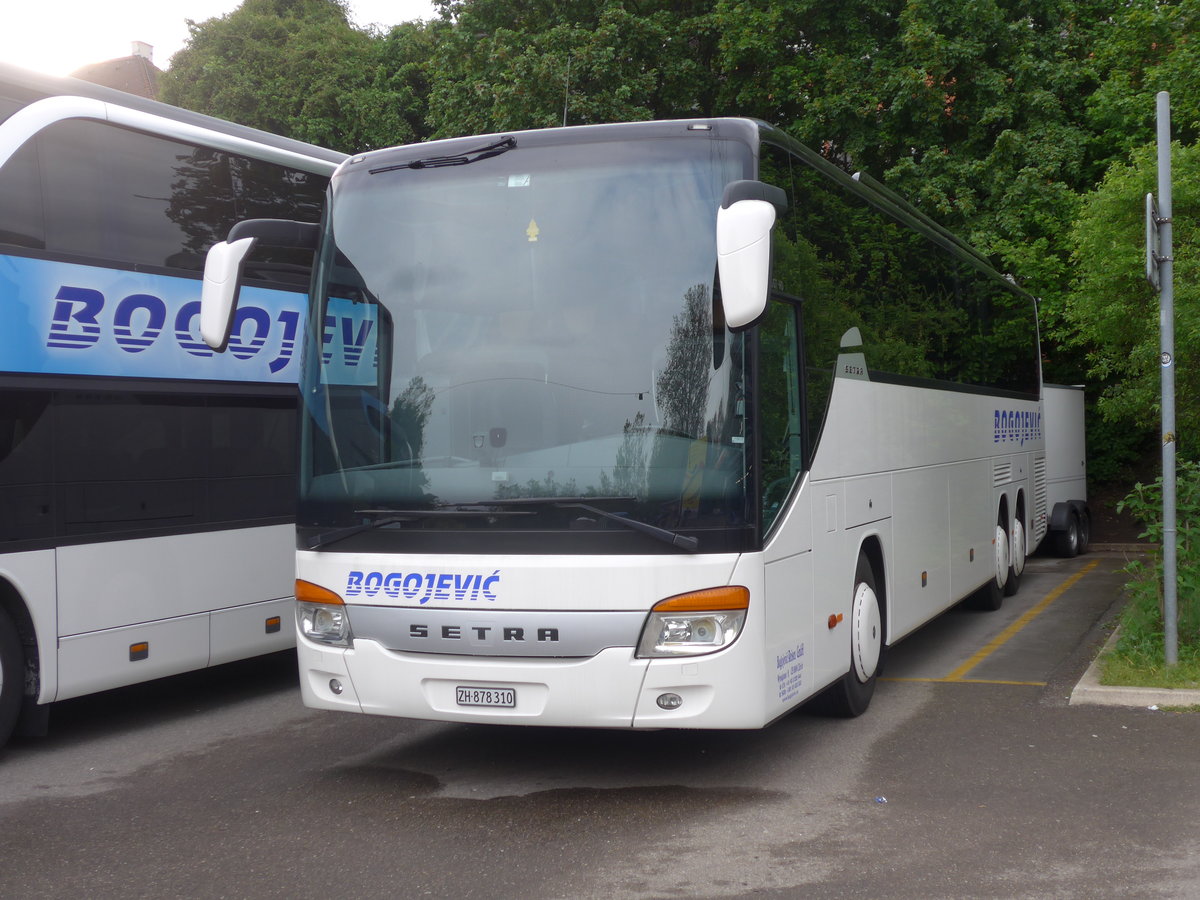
{"type": "Point", "coordinates": [1137, 659]}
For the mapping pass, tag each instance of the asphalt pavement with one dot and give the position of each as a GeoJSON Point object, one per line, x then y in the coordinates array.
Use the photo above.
{"type": "Point", "coordinates": [975, 774]}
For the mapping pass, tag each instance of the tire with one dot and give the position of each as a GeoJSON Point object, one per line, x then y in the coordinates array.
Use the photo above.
{"type": "Point", "coordinates": [990, 597]}
{"type": "Point", "coordinates": [851, 695]}
{"type": "Point", "coordinates": [1085, 531]}
{"type": "Point", "coordinates": [1016, 565]}
{"type": "Point", "coordinates": [12, 676]}
{"type": "Point", "coordinates": [1067, 541]}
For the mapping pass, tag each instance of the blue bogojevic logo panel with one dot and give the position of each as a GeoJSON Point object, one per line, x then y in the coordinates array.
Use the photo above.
{"type": "Point", "coordinates": [59, 318]}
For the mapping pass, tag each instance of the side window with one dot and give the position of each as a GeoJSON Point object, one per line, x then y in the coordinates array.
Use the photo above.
{"type": "Point", "coordinates": [780, 404]}
{"type": "Point", "coordinates": [91, 191]}
{"type": "Point", "coordinates": [112, 194]}
{"type": "Point", "coordinates": [267, 191]}
{"type": "Point", "coordinates": [22, 222]}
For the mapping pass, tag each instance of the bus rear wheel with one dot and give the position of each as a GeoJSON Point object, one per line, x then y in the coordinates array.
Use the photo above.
{"type": "Point", "coordinates": [12, 675]}
{"type": "Point", "coordinates": [990, 597]}
{"type": "Point", "coordinates": [851, 695]}
{"type": "Point", "coordinates": [1016, 565]}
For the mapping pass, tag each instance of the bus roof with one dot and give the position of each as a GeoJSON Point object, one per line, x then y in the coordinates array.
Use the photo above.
{"type": "Point", "coordinates": [37, 86]}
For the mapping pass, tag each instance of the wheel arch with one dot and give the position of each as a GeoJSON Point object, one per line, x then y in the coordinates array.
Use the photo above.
{"type": "Point", "coordinates": [872, 549]}
{"type": "Point", "coordinates": [1022, 514]}
{"type": "Point", "coordinates": [14, 604]}
{"type": "Point", "coordinates": [1002, 512]}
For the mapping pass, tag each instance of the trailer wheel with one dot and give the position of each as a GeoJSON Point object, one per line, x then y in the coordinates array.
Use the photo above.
{"type": "Point", "coordinates": [1066, 542]}
{"type": "Point", "coordinates": [12, 675]}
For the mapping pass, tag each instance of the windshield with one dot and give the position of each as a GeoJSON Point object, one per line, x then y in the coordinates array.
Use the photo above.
{"type": "Point", "coordinates": [496, 337]}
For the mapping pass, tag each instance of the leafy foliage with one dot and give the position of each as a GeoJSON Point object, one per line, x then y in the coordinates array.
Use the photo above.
{"type": "Point", "coordinates": [1140, 647]}
{"type": "Point", "coordinates": [999, 118]}
{"type": "Point", "coordinates": [1111, 311]}
{"type": "Point", "coordinates": [298, 68]}
{"type": "Point", "coordinates": [537, 65]}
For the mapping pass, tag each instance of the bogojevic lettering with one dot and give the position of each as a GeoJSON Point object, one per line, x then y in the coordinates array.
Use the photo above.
{"type": "Point", "coordinates": [424, 587]}
{"type": "Point", "coordinates": [1016, 426]}
{"type": "Point", "coordinates": [138, 321]}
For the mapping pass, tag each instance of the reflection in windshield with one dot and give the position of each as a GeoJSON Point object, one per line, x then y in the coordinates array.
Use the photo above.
{"type": "Point", "coordinates": [535, 325]}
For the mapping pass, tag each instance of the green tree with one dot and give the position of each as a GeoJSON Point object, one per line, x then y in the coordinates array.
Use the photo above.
{"type": "Point", "coordinates": [970, 110]}
{"type": "Point", "coordinates": [300, 69]}
{"type": "Point", "coordinates": [1147, 46]}
{"type": "Point", "coordinates": [1112, 314]}
{"type": "Point", "coordinates": [506, 66]}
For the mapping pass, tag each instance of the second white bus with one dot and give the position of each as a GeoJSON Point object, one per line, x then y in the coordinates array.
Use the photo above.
{"type": "Point", "coordinates": [129, 452]}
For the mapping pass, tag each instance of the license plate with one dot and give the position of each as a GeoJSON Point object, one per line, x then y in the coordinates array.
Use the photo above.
{"type": "Point", "coordinates": [486, 696]}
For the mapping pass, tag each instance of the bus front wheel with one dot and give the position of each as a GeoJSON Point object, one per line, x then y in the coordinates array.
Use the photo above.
{"type": "Point", "coordinates": [851, 695]}
{"type": "Point", "coordinates": [12, 675]}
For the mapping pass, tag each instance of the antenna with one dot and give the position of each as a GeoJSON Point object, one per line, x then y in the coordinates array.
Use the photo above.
{"type": "Point", "coordinates": [567, 90]}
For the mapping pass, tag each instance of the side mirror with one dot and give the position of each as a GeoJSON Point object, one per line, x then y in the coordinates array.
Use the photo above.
{"type": "Point", "coordinates": [744, 223]}
{"type": "Point", "coordinates": [223, 270]}
{"type": "Point", "coordinates": [219, 290]}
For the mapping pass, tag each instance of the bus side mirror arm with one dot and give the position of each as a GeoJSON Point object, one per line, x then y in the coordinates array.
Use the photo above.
{"type": "Point", "coordinates": [744, 223]}
{"type": "Point", "coordinates": [223, 270]}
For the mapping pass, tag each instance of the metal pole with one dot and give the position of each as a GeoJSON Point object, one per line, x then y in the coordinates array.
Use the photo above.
{"type": "Point", "coordinates": [1167, 346]}
{"type": "Point", "coordinates": [567, 90]}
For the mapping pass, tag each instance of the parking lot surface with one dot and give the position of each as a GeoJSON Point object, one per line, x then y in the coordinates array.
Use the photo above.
{"type": "Point", "coordinates": [972, 775]}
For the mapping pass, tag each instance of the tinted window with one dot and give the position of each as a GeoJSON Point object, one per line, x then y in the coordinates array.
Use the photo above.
{"type": "Point", "coordinates": [90, 463]}
{"type": "Point", "coordinates": [923, 313]}
{"type": "Point", "coordinates": [101, 193]}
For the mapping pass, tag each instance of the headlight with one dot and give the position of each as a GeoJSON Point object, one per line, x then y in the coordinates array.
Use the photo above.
{"type": "Point", "coordinates": [321, 615]}
{"type": "Point", "coordinates": [695, 623]}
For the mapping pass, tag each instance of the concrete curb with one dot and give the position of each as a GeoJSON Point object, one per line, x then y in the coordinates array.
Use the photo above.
{"type": "Point", "coordinates": [1117, 547]}
{"type": "Point", "coordinates": [1090, 692]}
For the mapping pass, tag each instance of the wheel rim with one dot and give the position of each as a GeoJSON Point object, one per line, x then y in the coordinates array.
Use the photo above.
{"type": "Point", "coordinates": [867, 632]}
{"type": "Point", "coordinates": [1018, 547]}
{"type": "Point", "coordinates": [1001, 543]}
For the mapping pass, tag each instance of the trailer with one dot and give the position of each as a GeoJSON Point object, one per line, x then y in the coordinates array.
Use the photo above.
{"type": "Point", "coordinates": [1066, 469]}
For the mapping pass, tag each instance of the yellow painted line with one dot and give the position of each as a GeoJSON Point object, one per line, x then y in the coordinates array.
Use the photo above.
{"type": "Point", "coordinates": [1007, 634]}
{"type": "Point", "coordinates": [966, 681]}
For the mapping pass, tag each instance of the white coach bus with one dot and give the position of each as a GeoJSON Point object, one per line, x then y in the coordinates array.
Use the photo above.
{"type": "Point", "coordinates": [670, 424]}
{"type": "Point", "coordinates": [129, 452]}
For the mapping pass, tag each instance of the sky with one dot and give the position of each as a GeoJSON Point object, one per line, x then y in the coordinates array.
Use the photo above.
{"type": "Point", "coordinates": [59, 36]}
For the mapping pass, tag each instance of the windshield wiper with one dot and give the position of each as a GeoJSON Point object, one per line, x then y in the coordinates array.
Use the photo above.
{"type": "Point", "coordinates": [379, 519]}
{"type": "Point", "coordinates": [683, 542]}
{"type": "Point", "coordinates": [383, 517]}
{"type": "Point", "coordinates": [674, 538]}
{"type": "Point", "coordinates": [462, 159]}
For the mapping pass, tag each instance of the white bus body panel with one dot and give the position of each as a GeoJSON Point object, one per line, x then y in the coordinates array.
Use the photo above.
{"type": "Point", "coordinates": [100, 660]}
{"type": "Point", "coordinates": [924, 473]}
{"type": "Point", "coordinates": [1066, 444]}
{"type": "Point", "coordinates": [609, 689]}
{"type": "Point", "coordinates": [163, 590]}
